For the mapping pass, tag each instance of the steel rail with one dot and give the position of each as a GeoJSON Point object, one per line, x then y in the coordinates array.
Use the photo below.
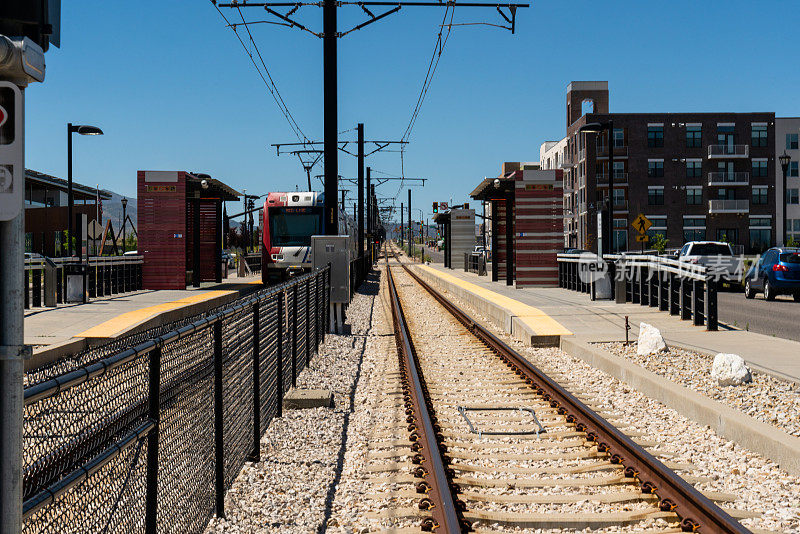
{"type": "Point", "coordinates": [697, 512]}
{"type": "Point", "coordinates": [425, 433]}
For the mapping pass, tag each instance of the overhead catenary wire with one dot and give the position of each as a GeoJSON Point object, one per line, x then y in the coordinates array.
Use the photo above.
{"type": "Point", "coordinates": [266, 77]}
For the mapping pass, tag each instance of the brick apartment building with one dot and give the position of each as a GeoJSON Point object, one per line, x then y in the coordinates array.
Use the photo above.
{"type": "Point", "coordinates": [694, 175]}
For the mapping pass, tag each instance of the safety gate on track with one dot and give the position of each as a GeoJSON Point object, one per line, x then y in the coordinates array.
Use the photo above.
{"type": "Point", "coordinates": [147, 433]}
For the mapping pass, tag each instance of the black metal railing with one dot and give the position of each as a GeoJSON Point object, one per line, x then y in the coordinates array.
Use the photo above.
{"type": "Point", "coordinates": [680, 288]}
{"type": "Point", "coordinates": [475, 263]}
{"type": "Point", "coordinates": [147, 433]}
{"type": "Point", "coordinates": [46, 279]}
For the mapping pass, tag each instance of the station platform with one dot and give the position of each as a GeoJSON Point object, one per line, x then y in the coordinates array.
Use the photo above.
{"type": "Point", "coordinates": [67, 329]}
{"type": "Point", "coordinates": [540, 315]}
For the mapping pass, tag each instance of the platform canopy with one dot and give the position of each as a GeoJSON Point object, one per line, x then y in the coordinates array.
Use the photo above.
{"type": "Point", "coordinates": [214, 189]}
{"type": "Point", "coordinates": [494, 188]}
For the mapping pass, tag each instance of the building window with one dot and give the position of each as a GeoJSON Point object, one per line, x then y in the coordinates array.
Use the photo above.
{"type": "Point", "coordinates": [791, 141]}
{"type": "Point", "coordinates": [694, 196]}
{"type": "Point", "coordinates": [694, 234]}
{"type": "Point", "coordinates": [728, 235]}
{"type": "Point", "coordinates": [758, 135]}
{"type": "Point", "coordinates": [619, 138]}
{"type": "Point", "coordinates": [760, 233]}
{"type": "Point", "coordinates": [659, 226]}
{"type": "Point", "coordinates": [655, 136]}
{"type": "Point", "coordinates": [655, 196]}
{"type": "Point", "coordinates": [792, 196]}
{"type": "Point", "coordinates": [759, 168]}
{"type": "Point", "coordinates": [793, 169]}
{"type": "Point", "coordinates": [759, 195]}
{"type": "Point", "coordinates": [655, 169]}
{"type": "Point", "coordinates": [694, 168]}
{"type": "Point", "coordinates": [694, 136]}
{"type": "Point", "coordinates": [793, 229]}
{"type": "Point", "coordinates": [619, 198]}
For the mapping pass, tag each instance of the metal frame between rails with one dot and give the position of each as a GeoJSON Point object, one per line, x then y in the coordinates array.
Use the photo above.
{"type": "Point", "coordinates": [697, 512]}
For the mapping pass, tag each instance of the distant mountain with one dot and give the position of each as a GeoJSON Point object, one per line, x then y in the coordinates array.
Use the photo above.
{"type": "Point", "coordinates": [112, 209]}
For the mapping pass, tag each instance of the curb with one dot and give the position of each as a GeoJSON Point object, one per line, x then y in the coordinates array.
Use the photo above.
{"type": "Point", "coordinates": [501, 316]}
{"type": "Point", "coordinates": [755, 435]}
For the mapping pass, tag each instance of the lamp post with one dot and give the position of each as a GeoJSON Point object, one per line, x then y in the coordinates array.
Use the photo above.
{"type": "Point", "coordinates": [124, 220]}
{"type": "Point", "coordinates": [81, 129]}
{"type": "Point", "coordinates": [596, 128]}
{"type": "Point", "coordinates": [784, 159]}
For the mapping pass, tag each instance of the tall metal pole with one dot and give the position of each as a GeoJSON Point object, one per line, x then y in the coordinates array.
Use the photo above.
{"type": "Point", "coordinates": [784, 202]}
{"type": "Point", "coordinates": [402, 227]}
{"type": "Point", "coordinates": [410, 227]}
{"type": "Point", "coordinates": [369, 203]}
{"type": "Point", "coordinates": [330, 127]}
{"type": "Point", "coordinates": [360, 204]}
{"type": "Point", "coordinates": [70, 198]}
{"type": "Point", "coordinates": [12, 339]}
{"type": "Point", "coordinates": [124, 220]}
{"type": "Point", "coordinates": [611, 186]}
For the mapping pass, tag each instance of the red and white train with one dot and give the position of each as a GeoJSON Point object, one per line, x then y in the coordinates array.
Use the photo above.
{"type": "Point", "coordinates": [289, 221]}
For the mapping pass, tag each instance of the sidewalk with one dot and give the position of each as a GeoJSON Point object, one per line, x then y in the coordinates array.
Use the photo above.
{"type": "Point", "coordinates": [605, 321]}
{"type": "Point", "coordinates": [67, 329]}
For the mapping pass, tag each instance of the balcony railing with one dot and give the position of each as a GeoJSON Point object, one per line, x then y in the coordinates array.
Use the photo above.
{"type": "Point", "coordinates": [602, 151]}
{"type": "Point", "coordinates": [582, 154]}
{"type": "Point", "coordinates": [728, 151]}
{"type": "Point", "coordinates": [621, 204]}
{"type": "Point", "coordinates": [620, 178]}
{"type": "Point", "coordinates": [728, 206]}
{"type": "Point", "coordinates": [728, 178]}
{"type": "Point", "coordinates": [568, 162]}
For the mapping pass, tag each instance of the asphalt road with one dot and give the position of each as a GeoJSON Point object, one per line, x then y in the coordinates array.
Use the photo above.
{"type": "Point", "coordinates": [780, 318]}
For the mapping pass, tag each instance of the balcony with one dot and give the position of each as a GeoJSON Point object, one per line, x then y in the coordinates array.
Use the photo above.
{"type": "Point", "coordinates": [567, 163]}
{"type": "Point", "coordinates": [581, 154]}
{"type": "Point", "coordinates": [619, 151]}
{"type": "Point", "coordinates": [728, 206]}
{"type": "Point", "coordinates": [621, 204]}
{"type": "Point", "coordinates": [728, 151]}
{"type": "Point", "coordinates": [620, 178]}
{"type": "Point", "coordinates": [728, 178]}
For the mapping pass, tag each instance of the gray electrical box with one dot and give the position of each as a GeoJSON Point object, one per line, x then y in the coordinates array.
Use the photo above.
{"type": "Point", "coordinates": [333, 249]}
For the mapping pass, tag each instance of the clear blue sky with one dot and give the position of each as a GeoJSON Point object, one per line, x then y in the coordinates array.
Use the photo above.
{"type": "Point", "coordinates": [172, 88]}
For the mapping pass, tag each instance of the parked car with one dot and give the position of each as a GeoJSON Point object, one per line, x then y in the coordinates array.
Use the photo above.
{"type": "Point", "coordinates": [229, 258]}
{"type": "Point", "coordinates": [131, 253]}
{"type": "Point", "coordinates": [776, 273]}
{"type": "Point", "coordinates": [479, 250]}
{"type": "Point", "coordinates": [717, 256]}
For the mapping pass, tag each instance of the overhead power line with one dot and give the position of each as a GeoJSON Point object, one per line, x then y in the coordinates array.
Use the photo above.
{"type": "Point", "coordinates": [266, 77]}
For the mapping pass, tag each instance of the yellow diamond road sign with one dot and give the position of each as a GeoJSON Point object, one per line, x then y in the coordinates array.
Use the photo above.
{"type": "Point", "coordinates": [641, 224]}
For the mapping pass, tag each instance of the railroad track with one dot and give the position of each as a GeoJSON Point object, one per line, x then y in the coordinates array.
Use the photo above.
{"type": "Point", "coordinates": [480, 440]}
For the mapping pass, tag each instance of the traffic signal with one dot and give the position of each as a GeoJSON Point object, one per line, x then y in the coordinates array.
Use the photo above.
{"type": "Point", "coordinates": [435, 207]}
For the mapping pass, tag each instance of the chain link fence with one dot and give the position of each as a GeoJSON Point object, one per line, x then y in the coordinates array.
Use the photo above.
{"type": "Point", "coordinates": [147, 433]}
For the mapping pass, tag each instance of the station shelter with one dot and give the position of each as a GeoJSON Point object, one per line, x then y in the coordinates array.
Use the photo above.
{"type": "Point", "coordinates": [458, 232]}
{"type": "Point", "coordinates": [526, 208]}
{"type": "Point", "coordinates": [180, 228]}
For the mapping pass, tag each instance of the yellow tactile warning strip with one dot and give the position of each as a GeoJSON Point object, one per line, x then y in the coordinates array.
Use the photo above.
{"type": "Point", "coordinates": [123, 322]}
{"type": "Point", "coordinates": [541, 323]}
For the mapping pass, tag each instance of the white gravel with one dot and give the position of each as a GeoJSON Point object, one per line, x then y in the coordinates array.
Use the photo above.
{"type": "Point", "coordinates": [761, 486]}
{"type": "Point", "coordinates": [766, 398]}
{"type": "Point", "coordinates": [291, 488]}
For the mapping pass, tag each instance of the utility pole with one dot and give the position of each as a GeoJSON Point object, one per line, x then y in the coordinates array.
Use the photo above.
{"type": "Point", "coordinates": [22, 63]}
{"type": "Point", "coordinates": [329, 36]}
{"type": "Point", "coordinates": [410, 228]}
{"type": "Point", "coordinates": [360, 187]}
{"type": "Point", "coordinates": [402, 227]}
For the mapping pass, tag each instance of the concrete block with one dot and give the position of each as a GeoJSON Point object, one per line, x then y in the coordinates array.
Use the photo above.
{"type": "Point", "coordinates": [302, 399]}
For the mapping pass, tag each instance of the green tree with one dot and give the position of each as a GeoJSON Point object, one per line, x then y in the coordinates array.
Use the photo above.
{"type": "Point", "coordinates": [659, 242]}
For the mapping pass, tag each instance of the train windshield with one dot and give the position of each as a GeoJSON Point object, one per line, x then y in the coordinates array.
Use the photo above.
{"type": "Point", "coordinates": [293, 227]}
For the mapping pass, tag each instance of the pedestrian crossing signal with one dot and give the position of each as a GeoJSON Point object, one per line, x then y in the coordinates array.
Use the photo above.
{"type": "Point", "coordinates": [435, 207]}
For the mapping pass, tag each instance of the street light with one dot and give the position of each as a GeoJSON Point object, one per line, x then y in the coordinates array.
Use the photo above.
{"type": "Point", "coordinates": [596, 128]}
{"type": "Point", "coordinates": [81, 129]}
{"type": "Point", "coordinates": [784, 159]}
{"type": "Point", "coordinates": [124, 220]}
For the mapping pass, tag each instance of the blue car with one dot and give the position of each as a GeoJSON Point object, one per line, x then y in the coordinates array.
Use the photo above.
{"type": "Point", "coordinates": [776, 273]}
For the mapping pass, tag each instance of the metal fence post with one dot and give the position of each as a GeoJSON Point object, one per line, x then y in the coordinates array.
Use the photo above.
{"type": "Point", "coordinates": [294, 336]}
{"type": "Point", "coordinates": [255, 454]}
{"type": "Point", "coordinates": [712, 322]}
{"type": "Point", "coordinates": [219, 427]}
{"type": "Point", "coordinates": [279, 360]}
{"type": "Point", "coordinates": [154, 413]}
{"type": "Point", "coordinates": [308, 325]}
{"type": "Point", "coordinates": [697, 303]}
{"type": "Point", "coordinates": [644, 282]}
{"type": "Point", "coordinates": [685, 300]}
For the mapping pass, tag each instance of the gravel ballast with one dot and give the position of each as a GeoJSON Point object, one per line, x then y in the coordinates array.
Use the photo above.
{"type": "Point", "coordinates": [290, 490]}
{"type": "Point", "coordinates": [767, 398]}
{"type": "Point", "coordinates": [760, 485]}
